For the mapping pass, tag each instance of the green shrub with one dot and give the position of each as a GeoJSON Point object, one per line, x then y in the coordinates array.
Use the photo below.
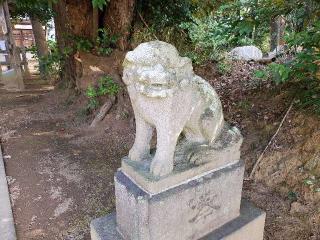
{"type": "Point", "coordinates": [83, 44]}
{"type": "Point", "coordinates": [165, 13]}
{"type": "Point", "coordinates": [104, 42]}
{"type": "Point", "coordinates": [106, 86]}
{"type": "Point", "coordinates": [99, 3]}
{"type": "Point", "coordinates": [208, 36]}
{"type": "Point", "coordinates": [224, 67]}
{"type": "Point", "coordinates": [229, 25]}
{"type": "Point", "coordinates": [103, 45]}
{"type": "Point", "coordinates": [303, 70]}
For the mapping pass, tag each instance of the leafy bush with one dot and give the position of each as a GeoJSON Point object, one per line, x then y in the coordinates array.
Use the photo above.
{"type": "Point", "coordinates": [106, 86]}
{"type": "Point", "coordinates": [105, 41]}
{"type": "Point", "coordinates": [303, 71]}
{"type": "Point", "coordinates": [204, 30]}
{"type": "Point", "coordinates": [51, 64]}
{"type": "Point", "coordinates": [83, 44]}
{"type": "Point", "coordinates": [165, 13]}
{"type": "Point", "coordinates": [160, 20]}
{"type": "Point", "coordinates": [55, 60]}
{"type": "Point", "coordinates": [228, 25]}
{"type": "Point", "coordinates": [103, 45]}
{"type": "Point", "coordinates": [99, 3]}
{"type": "Point", "coordinates": [224, 67]}
{"type": "Point", "coordinates": [208, 36]}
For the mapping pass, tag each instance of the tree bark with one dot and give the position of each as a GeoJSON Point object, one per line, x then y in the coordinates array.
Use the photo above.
{"type": "Point", "coordinates": [118, 19]}
{"type": "Point", "coordinates": [277, 27]}
{"type": "Point", "coordinates": [41, 44]}
{"type": "Point", "coordinates": [78, 18]}
{"type": "Point", "coordinates": [62, 27]}
{"type": "Point", "coordinates": [95, 23]}
{"type": "Point", "coordinates": [72, 19]}
{"type": "Point", "coordinates": [79, 15]}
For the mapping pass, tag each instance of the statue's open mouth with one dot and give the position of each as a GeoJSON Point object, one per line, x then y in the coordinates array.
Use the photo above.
{"type": "Point", "coordinates": [154, 90]}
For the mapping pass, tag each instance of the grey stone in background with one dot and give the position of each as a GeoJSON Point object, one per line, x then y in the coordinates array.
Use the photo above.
{"type": "Point", "coordinates": [7, 230]}
{"type": "Point", "coordinates": [248, 226]}
{"type": "Point", "coordinates": [246, 53]}
{"type": "Point", "coordinates": [187, 211]}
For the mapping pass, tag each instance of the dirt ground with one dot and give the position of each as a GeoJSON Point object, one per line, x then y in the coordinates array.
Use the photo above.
{"type": "Point", "coordinates": [60, 172]}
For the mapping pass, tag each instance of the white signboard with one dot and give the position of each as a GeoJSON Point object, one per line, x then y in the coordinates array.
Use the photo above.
{"type": "Point", "coordinates": [2, 58]}
{"type": "Point", "coordinates": [3, 45]}
{"type": "Point", "coordinates": [22, 27]}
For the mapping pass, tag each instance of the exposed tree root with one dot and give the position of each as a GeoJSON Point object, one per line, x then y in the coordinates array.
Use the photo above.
{"type": "Point", "coordinates": [103, 111]}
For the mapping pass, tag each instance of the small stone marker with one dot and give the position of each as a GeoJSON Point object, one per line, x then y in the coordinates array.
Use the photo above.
{"type": "Point", "coordinates": [190, 187]}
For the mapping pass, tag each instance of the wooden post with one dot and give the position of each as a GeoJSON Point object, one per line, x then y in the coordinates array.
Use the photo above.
{"type": "Point", "coordinates": [277, 27]}
{"type": "Point", "coordinates": [3, 29]}
{"type": "Point", "coordinates": [14, 56]}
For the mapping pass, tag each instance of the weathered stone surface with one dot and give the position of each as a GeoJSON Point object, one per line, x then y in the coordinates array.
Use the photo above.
{"type": "Point", "coordinates": [7, 230]}
{"type": "Point", "coordinates": [187, 211]}
{"type": "Point", "coordinates": [167, 95]}
{"type": "Point", "coordinates": [248, 226]}
{"type": "Point", "coordinates": [105, 228]}
{"type": "Point", "coordinates": [190, 160]}
{"type": "Point", "coordinates": [246, 53]}
{"type": "Point", "coordinates": [10, 80]}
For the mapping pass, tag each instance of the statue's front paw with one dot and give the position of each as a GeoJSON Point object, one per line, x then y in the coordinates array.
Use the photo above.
{"type": "Point", "coordinates": [196, 160]}
{"type": "Point", "coordinates": [137, 155]}
{"type": "Point", "coordinates": [160, 167]}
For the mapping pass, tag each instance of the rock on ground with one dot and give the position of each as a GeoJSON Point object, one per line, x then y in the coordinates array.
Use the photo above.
{"type": "Point", "coordinates": [246, 53]}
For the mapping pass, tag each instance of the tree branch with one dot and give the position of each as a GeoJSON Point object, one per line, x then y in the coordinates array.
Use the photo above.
{"type": "Point", "coordinates": [254, 169]}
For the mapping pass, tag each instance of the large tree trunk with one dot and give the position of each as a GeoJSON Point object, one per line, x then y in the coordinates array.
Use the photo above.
{"type": "Point", "coordinates": [72, 19]}
{"type": "Point", "coordinates": [77, 18]}
{"type": "Point", "coordinates": [41, 44]}
{"type": "Point", "coordinates": [95, 23]}
{"type": "Point", "coordinates": [118, 19]}
{"type": "Point", "coordinates": [79, 15]}
{"type": "Point", "coordinates": [62, 28]}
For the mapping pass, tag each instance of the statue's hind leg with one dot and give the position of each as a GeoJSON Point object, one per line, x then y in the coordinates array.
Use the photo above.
{"type": "Point", "coordinates": [193, 128]}
{"type": "Point", "coordinates": [212, 123]}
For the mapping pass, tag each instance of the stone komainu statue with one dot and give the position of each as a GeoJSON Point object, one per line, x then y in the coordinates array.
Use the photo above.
{"type": "Point", "coordinates": [167, 95]}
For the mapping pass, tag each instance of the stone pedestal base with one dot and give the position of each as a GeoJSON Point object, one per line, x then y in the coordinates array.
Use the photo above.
{"type": "Point", "coordinates": [193, 202]}
{"type": "Point", "coordinates": [189, 210]}
{"type": "Point", "coordinates": [248, 226]}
